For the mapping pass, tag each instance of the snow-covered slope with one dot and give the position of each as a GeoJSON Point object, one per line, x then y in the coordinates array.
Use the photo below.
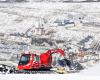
{"type": "Point", "coordinates": [92, 71]}
{"type": "Point", "coordinates": [19, 17]}
{"type": "Point", "coordinates": [88, 74]}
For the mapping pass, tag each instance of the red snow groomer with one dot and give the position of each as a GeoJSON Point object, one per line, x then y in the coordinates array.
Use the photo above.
{"type": "Point", "coordinates": [33, 61]}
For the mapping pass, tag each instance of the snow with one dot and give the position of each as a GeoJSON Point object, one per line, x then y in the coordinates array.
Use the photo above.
{"type": "Point", "coordinates": [19, 17]}
{"type": "Point", "coordinates": [27, 13]}
{"type": "Point", "coordinates": [92, 73]}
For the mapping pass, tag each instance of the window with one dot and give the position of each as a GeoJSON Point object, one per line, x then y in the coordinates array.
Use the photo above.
{"type": "Point", "coordinates": [24, 59]}
{"type": "Point", "coordinates": [36, 58]}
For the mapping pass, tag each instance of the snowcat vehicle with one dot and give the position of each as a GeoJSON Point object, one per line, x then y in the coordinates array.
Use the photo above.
{"type": "Point", "coordinates": [44, 61]}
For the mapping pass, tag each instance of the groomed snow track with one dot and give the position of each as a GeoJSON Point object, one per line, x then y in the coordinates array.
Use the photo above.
{"type": "Point", "coordinates": [35, 72]}
{"type": "Point", "coordinates": [11, 70]}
